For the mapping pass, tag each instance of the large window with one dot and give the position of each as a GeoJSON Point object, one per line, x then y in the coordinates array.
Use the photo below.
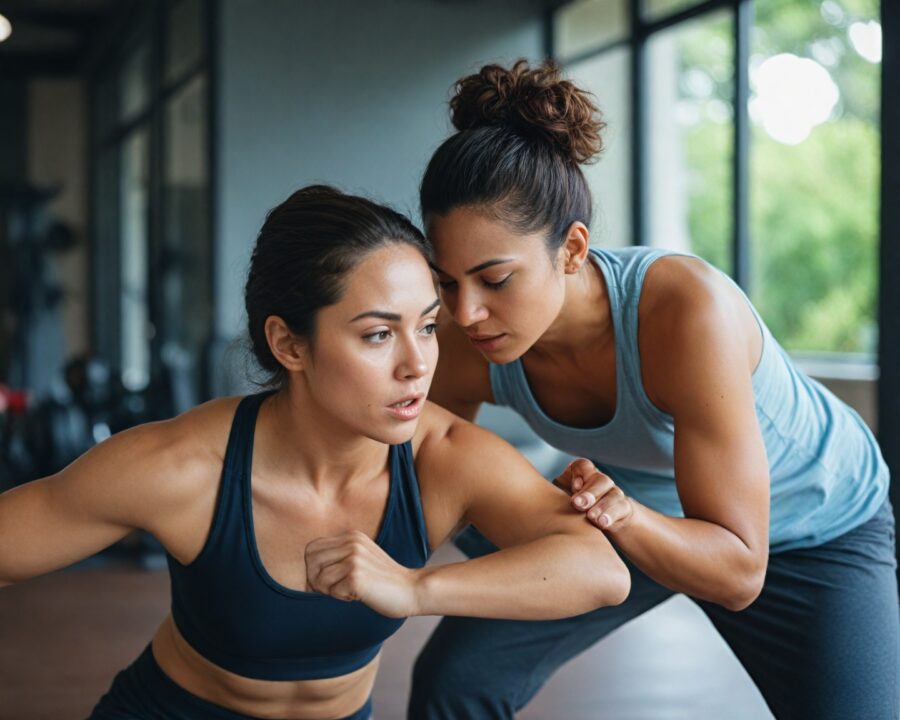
{"type": "Point", "coordinates": [610, 177]}
{"type": "Point", "coordinates": [152, 262]}
{"type": "Point", "coordinates": [814, 171]}
{"type": "Point", "coordinates": [746, 131]}
{"type": "Point", "coordinates": [690, 138]}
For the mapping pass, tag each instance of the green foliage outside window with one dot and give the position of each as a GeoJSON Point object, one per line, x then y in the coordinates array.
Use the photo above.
{"type": "Point", "coordinates": [814, 204]}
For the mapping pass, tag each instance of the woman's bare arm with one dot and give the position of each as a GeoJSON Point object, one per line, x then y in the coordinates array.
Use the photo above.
{"type": "Point", "coordinates": [552, 562]}
{"type": "Point", "coordinates": [699, 345]}
{"type": "Point", "coordinates": [142, 478]}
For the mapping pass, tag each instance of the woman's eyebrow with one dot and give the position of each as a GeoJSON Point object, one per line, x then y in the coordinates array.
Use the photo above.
{"type": "Point", "coordinates": [437, 301]}
{"type": "Point", "coordinates": [478, 268]}
{"type": "Point", "coordinates": [393, 317]}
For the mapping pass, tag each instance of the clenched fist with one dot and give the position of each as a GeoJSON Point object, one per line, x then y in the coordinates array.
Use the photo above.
{"type": "Point", "coordinates": [351, 566]}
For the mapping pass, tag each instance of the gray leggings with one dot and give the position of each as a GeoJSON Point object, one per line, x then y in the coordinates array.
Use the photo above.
{"type": "Point", "coordinates": [822, 640]}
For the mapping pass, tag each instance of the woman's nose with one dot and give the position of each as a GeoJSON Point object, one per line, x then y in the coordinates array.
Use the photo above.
{"type": "Point", "coordinates": [412, 364]}
{"type": "Point", "coordinates": [469, 309]}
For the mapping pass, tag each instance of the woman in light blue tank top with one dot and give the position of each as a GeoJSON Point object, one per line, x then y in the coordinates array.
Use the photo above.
{"type": "Point", "coordinates": [716, 467]}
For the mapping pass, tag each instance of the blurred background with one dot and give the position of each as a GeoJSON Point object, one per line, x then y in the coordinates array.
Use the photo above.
{"type": "Point", "coordinates": [143, 141]}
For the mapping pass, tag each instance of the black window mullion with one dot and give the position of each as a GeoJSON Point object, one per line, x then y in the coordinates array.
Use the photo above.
{"type": "Point", "coordinates": [548, 27]}
{"type": "Point", "coordinates": [743, 26]}
{"type": "Point", "coordinates": [639, 135]}
{"type": "Point", "coordinates": [156, 201]}
{"type": "Point", "coordinates": [889, 256]}
{"type": "Point", "coordinates": [689, 13]}
{"type": "Point", "coordinates": [211, 26]}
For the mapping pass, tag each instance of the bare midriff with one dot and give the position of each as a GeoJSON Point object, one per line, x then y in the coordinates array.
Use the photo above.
{"type": "Point", "coordinates": [324, 699]}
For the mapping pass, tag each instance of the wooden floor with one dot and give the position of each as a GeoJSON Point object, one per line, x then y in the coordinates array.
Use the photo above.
{"type": "Point", "coordinates": [63, 637]}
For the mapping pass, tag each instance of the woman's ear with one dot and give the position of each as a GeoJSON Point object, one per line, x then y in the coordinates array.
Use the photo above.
{"type": "Point", "coordinates": [289, 349]}
{"type": "Point", "coordinates": [574, 249]}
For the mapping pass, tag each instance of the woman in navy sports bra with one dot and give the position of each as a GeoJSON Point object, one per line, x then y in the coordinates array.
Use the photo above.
{"type": "Point", "coordinates": [298, 521]}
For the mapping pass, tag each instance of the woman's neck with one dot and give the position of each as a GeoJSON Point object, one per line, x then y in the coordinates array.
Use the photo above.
{"type": "Point", "coordinates": [585, 320]}
{"type": "Point", "coordinates": [299, 442]}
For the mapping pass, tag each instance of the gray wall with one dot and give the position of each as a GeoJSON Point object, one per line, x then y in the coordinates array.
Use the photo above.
{"type": "Point", "coordinates": [57, 157]}
{"type": "Point", "coordinates": [346, 92]}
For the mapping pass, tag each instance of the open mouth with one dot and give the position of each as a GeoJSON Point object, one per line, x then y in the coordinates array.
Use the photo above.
{"type": "Point", "coordinates": [404, 403]}
{"type": "Point", "coordinates": [407, 409]}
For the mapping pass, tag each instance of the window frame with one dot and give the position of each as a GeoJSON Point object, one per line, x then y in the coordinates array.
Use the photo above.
{"type": "Point", "coordinates": [123, 35]}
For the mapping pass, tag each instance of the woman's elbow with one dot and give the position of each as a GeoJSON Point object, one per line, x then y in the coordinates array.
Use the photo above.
{"type": "Point", "coordinates": [745, 591]}
{"type": "Point", "coordinates": [619, 585]}
{"type": "Point", "coordinates": [612, 582]}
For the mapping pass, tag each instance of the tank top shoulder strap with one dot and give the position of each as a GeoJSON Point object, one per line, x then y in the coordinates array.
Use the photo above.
{"type": "Point", "coordinates": [505, 385]}
{"type": "Point", "coordinates": [227, 523]}
{"type": "Point", "coordinates": [408, 503]}
{"type": "Point", "coordinates": [624, 271]}
{"type": "Point", "coordinates": [240, 443]}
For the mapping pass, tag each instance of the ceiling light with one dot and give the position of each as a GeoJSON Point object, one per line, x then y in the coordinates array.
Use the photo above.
{"type": "Point", "coordinates": [5, 28]}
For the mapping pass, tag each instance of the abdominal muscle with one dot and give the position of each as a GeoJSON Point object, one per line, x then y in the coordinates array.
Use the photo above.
{"type": "Point", "coordinates": [325, 699]}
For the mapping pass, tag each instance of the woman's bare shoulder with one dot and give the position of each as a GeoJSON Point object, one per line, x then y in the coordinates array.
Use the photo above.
{"type": "Point", "coordinates": [685, 284]}
{"type": "Point", "coordinates": [171, 460]}
{"type": "Point", "coordinates": [442, 436]}
{"type": "Point", "coordinates": [208, 425]}
{"type": "Point", "coordinates": [173, 470]}
{"type": "Point", "coordinates": [691, 311]}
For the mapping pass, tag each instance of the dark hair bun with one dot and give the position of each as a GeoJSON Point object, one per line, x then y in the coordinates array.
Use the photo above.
{"type": "Point", "coordinates": [533, 101]}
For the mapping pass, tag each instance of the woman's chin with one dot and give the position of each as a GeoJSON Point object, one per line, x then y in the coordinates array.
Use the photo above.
{"type": "Point", "coordinates": [503, 355]}
{"type": "Point", "coordinates": [404, 432]}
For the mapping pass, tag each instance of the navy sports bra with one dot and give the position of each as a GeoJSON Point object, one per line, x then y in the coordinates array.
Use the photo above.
{"type": "Point", "coordinates": [237, 616]}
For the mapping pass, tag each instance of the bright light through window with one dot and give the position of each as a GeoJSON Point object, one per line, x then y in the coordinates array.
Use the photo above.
{"type": "Point", "coordinates": [792, 96]}
{"type": "Point", "coordinates": [866, 40]}
{"type": "Point", "coordinates": [5, 28]}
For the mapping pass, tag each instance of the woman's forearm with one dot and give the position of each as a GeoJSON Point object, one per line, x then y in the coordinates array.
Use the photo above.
{"type": "Point", "coordinates": [552, 577]}
{"type": "Point", "coordinates": [696, 557]}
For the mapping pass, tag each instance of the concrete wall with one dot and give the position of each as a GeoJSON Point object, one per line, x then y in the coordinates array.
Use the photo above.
{"type": "Point", "coordinates": [46, 128]}
{"type": "Point", "coordinates": [57, 157]}
{"type": "Point", "coordinates": [344, 92]}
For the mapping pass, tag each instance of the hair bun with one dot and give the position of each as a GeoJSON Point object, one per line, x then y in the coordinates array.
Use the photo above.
{"type": "Point", "coordinates": [531, 100]}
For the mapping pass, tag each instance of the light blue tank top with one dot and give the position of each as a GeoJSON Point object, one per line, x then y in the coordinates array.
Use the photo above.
{"type": "Point", "coordinates": [826, 470]}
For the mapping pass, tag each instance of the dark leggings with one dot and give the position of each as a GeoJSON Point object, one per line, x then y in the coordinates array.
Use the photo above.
{"type": "Point", "coordinates": [822, 640]}
{"type": "Point", "coordinates": [142, 691]}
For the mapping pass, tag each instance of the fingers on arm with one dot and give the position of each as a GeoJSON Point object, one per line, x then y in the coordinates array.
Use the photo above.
{"type": "Point", "coordinates": [572, 478]}
{"type": "Point", "coordinates": [602, 501]}
{"type": "Point", "coordinates": [612, 508]}
{"type": "Point", "coordinates": [594, 486]}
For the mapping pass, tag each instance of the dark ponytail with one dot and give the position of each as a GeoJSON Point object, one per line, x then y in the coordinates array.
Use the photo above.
{"type": "Point", "coordinates": [305, 248]}
{"type": "Point", "coordinates": [522, 133]}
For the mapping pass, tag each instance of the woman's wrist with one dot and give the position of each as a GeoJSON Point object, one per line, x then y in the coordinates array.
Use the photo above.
{"type": "Point", "coordinates": [423, 591]}
{"type": "Point", "coordinates": [628, 528]}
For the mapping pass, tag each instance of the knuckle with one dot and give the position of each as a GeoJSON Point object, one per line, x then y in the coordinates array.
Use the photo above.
{"type": "Point", "coordinates": [597, 477]}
